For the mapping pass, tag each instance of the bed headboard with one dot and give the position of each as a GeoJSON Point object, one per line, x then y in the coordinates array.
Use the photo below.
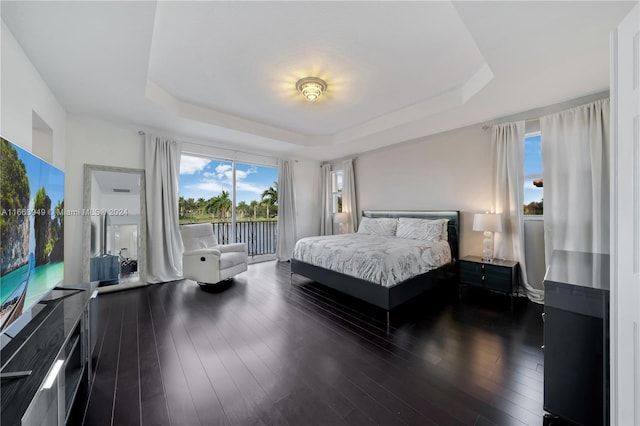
{"type": "Point", "coordinates": [452, 215]}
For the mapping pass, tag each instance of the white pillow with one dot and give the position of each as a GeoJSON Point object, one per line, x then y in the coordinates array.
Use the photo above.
{"type": "Point", "coordinates": [384, 227]}
{"type": "Point", "coordinates": [445, 229]}
{"type": "Point", "coordinates": [422, 229]}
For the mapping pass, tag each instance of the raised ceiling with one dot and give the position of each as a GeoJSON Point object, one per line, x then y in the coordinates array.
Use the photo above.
{"type": "Point", "coordinates": [225, 72]}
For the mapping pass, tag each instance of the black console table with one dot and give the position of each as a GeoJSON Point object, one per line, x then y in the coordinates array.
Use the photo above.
{"type": "Point", "coordinates": [576, 338]}
{"type": "Point", "coordinates": [55, 349]}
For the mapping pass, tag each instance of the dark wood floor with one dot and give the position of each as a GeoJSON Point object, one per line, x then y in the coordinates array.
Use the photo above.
{"type": "Point", "coordinates": [266, 352]}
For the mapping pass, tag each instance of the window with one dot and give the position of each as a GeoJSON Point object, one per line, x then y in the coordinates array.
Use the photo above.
{"type": "Point", "coordinates": [533, 183]}
{"type": "Point", "coordinates": [336, 191]}
{"type": "Point", "coordinates": [239, 199]}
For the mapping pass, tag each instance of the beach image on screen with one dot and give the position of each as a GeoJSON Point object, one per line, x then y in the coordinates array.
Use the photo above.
{"type": "Point", "coordinates": [31, 230]}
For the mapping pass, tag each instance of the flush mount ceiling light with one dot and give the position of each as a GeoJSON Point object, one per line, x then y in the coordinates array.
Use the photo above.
{"type": "Point", "coordinates": [311, 87]}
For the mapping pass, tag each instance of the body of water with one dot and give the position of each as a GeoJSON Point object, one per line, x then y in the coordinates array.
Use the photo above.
{"type": "Point", "coordinates": [43, 278]}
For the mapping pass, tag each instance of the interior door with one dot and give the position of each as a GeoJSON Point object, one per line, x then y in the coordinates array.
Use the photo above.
{"type": "Point", "coordinates": [625, 219]}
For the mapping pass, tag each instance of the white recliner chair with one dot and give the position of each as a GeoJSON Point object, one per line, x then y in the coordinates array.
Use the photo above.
{"type": "Point", "coordinates": [206, 262]}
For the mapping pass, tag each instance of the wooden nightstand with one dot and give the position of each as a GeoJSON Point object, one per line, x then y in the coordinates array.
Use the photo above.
{"type": "Point", "coordinates": [500, 275]}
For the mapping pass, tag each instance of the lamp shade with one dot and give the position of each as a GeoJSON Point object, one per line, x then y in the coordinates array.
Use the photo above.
{"type": "Point", "coordinates": [488, 222]}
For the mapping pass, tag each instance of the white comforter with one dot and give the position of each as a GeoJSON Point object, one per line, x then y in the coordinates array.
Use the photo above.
{"type": "Point", "coordinates": [382, 260]}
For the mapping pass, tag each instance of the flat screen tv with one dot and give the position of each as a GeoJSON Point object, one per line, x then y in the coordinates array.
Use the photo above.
{"type": "Point", "coordinates": [31, 233]}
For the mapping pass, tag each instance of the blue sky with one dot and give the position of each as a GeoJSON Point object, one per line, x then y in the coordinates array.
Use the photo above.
{"type": "Point", "coordinates": [532, 168]}
{"type": "Point", "coordinates": [206, 178]}
{"type": "Point", "coordinates": [42, 174]}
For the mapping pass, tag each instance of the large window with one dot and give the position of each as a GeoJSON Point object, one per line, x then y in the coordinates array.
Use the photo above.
{"type": "Point", "coordinates": [239, 199]}
{"type": "Point", "coordinates": [336, 191]}
{"type": "Point", "coordinates": [533, 183]}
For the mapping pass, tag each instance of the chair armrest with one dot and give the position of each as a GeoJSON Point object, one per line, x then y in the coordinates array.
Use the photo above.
{"type": "Point", "coordinates": [202, 252]}
{"type": "Point", "coordinates": [235, 247]}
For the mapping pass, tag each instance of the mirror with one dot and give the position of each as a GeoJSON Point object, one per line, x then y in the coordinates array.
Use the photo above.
{"type": "Point", "coordinates": [114, 227]}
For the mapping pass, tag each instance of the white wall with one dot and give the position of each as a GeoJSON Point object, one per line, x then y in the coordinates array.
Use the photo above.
{"type": "Point", "coordinates": [23, 91]}
{"type": "Point", "coordinates": [92, 141]}
{"type": "Point", "coordinates": [306, 174]}
{"type": "Point", "coordinates": [447, 171]}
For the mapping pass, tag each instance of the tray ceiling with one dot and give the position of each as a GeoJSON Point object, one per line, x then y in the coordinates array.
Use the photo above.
{"type": "Point", "coordinates": [225, 72]}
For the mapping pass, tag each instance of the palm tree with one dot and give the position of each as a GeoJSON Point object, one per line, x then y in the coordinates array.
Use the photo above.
{"type": "Point", "coordinates": [211, 206]}
{"type": "Point", "coordinates": [270, 197]}
{"type": "Point", "coordinates": [254, 205]}
{"type": "Point", "coordinates": [190, 206]}
{"type": "Point", "coordinates": [242, 208]}
{"type": "Point", "coordinates": [224, 204]}
{"type": "Point", "coordinates": [181, 207]}
{"type": "Point", "coordinates": [221, 204]}
{"type": "Point", "coordinates": [201, 204]}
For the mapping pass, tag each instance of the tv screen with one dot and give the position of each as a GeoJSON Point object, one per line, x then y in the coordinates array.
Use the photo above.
{"type": "Point", "coordinates": [31, 231]}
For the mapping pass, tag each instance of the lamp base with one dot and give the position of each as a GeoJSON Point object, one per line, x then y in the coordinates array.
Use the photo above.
{"type": "Point", "coordinates": [487, 247]}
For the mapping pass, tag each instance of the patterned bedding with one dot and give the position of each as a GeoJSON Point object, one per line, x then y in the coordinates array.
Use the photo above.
{"type": "Point", "coordinates": [378, 259]}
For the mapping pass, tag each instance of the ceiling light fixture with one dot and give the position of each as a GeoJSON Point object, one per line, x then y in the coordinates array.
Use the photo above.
{"type": "Point", "coordinates": [311, 87]}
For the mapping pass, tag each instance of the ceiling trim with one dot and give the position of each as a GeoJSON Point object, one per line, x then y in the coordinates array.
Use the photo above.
{"type": "Point", "coordinates": [190, 111]}
{"type": "Point", "coordinates": [447, 100]}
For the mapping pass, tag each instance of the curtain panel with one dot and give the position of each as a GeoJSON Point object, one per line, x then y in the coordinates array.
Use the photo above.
{"type": "Point", "coordinates": [575, 154]}
{"type": "Point", "coordinates": [326, 213]}
{"type": "Point", "coordinates": [349, 195]}
{"type": "Point", "coordinates": [164, 244]}
{"type": "Point", "coordinates": [286, 212]}
{"type": "Point", "coordinates": [508, 153]}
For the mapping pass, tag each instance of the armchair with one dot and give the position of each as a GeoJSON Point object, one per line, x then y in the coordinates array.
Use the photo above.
{"type": "Point", "coordinates": [206, 262]}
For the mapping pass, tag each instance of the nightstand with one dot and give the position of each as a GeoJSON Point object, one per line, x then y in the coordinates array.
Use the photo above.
{"type": "Point", "coordinates": [499, 275]}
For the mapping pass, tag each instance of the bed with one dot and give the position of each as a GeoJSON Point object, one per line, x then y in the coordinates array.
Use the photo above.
{"type": "Point", "coordinates": [385, 290]}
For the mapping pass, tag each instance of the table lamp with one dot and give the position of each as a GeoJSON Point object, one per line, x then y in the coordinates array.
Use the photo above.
{"type": "Point", "coordinates": [341, 219]}
{"type": "Point", "coordinates": [488, 223]}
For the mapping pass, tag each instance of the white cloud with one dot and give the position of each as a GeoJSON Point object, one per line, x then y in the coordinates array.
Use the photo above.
{"type": "Point", "coordinates": [209, 186]}
{"type": "Point", "coordinates": [191, 165]}
{"type": "Point", "coordinates": [249, 187]}
{"type": "Point", "coordinates": [242, 174]}
{"type": "Point", "coordinates": [222, 179]}
{"type": "Point", "coordinates": [223, 170]}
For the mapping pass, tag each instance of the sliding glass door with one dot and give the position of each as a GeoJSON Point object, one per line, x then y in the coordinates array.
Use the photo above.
{"type": "Point", "coordinates": [240, 200]}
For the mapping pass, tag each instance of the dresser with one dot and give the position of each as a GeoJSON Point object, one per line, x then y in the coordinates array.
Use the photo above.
{"type": "Point", "coordinates": [576, 337]}
{"type": "Point", "coordinates": [499, 275]}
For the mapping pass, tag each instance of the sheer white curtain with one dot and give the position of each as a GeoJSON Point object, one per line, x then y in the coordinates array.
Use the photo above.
{"type": "Point", "coordinates": [508, 149]}
{"type": "Point", "coordinates": [349, 195]}
{"type": "Point", "coordinates": [164, 245]}
{"type": "Point", "coordinates": [575, 154]}
{"type": "Point", "coordinates": [286, 212]}
{"type": "Point", "coordinates": [326, 214]}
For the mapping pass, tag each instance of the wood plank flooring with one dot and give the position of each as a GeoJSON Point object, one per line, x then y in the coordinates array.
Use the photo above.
{"type": "Point", "coordinates": [262, 351]}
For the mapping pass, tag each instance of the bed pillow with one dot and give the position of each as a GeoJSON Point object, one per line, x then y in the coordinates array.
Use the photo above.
{"type": "Point", "coordinates": [422, 229]}
{"type": "Point", "coordinates": [384, 227]}
{"type": "Point", "coordinates": [445, 229]}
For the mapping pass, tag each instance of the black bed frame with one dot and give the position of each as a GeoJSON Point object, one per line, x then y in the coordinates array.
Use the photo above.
{"type": "Point", "coordinates": [376, 294]}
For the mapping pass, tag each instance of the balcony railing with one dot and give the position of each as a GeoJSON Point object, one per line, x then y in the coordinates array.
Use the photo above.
{"type": "Point", "coordinates": [260, 236]}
